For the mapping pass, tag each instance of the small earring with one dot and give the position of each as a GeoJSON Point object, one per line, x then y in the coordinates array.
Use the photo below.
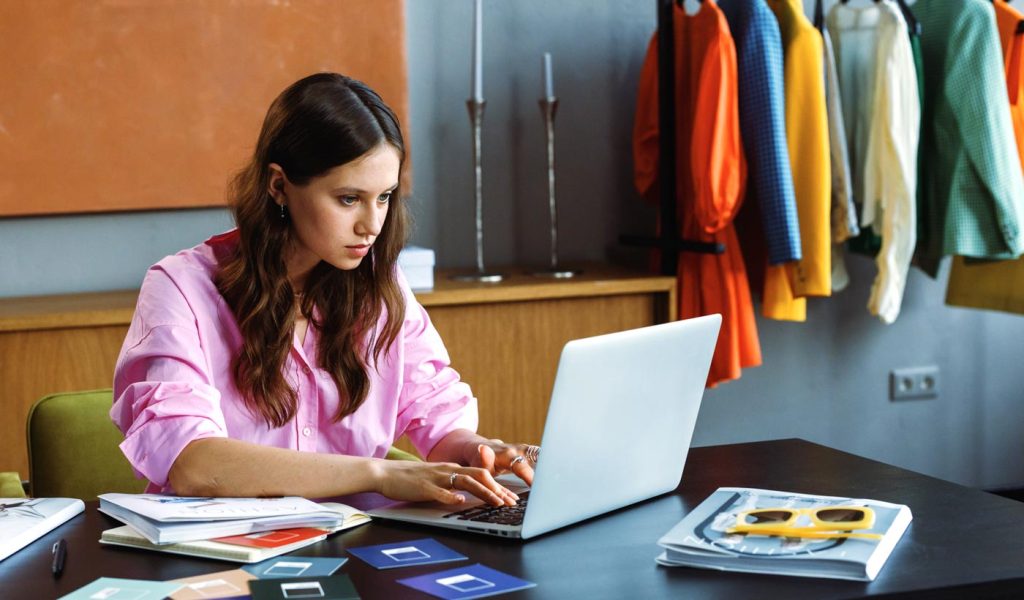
{"type": "Point", "coordinates": [282, 211]}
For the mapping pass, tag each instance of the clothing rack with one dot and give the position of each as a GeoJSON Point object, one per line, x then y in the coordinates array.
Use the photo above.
{"type": "Point", "coordinates": [668, 240]}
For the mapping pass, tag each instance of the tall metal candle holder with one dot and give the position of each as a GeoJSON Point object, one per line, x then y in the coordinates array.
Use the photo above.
{"type": "Point", "coordinates": [548, 108]}
{"type": "Point", "coordinates": [476, 117]}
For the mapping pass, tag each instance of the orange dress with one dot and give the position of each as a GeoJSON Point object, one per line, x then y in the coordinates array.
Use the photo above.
{"type": "Point", "coordinates": [1008, 17]}
{"type": "Point", "coordinates": [710, 178]}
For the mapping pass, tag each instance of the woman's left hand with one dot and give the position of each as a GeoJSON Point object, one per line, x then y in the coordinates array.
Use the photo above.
{"type": "Point", "coordinates": [498, 457]}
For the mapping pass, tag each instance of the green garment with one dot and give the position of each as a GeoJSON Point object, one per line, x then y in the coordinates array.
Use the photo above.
{"type": "Point", "coordinates": [915, 47]}
{"type": "Point", "coordinates": [972, 191]}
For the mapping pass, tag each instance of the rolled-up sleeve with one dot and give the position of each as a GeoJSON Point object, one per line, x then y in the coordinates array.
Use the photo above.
{"type": "Point", "coordinates": [163, 396]}
{"type": "Point", "coordinates": [433, 401]}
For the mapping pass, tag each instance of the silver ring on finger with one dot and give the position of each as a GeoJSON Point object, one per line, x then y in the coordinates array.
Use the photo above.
{"type": "Point", "coordinates": [516, 460]}
{"type": "Point", "coordinates": [451, 480]}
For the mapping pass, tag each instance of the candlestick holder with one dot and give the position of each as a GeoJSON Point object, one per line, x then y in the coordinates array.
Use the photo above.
{"type": "Point", "coordinates": [476, 117]}
{"type": "Point", "coordinates": [548, 108]}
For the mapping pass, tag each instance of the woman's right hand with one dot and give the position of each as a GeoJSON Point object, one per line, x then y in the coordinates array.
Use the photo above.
{"type": "Point", "coordinates": [447, 483]}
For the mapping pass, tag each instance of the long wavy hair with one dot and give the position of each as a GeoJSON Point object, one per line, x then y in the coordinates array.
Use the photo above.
{"type": "Point", "coordinates": [318, 123]}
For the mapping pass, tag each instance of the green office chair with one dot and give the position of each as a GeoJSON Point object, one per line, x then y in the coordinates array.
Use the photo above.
{"type": "Point", "coordinates": [399, 454]}
{"type": "Point", "coordinates": [73, 448]}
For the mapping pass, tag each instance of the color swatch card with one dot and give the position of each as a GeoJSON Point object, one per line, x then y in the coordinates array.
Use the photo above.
{"type": "Point", "coordinates": [324, 588]}
{"type": "Point", "coordinates": [406, 554]}
{"type": "Point", "coordinates": [295, 566]}
{"type": "Point", "coordinates": [222, 584]}
{"type": "Point", "coordinates": [463, 583]}
{"type": "Point", "coordinates": [109, 588]}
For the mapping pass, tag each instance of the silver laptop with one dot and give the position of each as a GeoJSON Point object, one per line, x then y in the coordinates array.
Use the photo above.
{"type": "Point", "coordinates": [618, 430]}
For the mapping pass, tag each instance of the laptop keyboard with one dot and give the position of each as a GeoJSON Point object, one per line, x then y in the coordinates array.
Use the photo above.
{"type": "Point", "coordinates": [501, 515]}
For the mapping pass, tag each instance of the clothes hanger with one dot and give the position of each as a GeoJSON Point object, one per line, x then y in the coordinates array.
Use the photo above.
{"type": "Point", "coordinates": [819, 16]}
{"type": "Point", "coordinates": [912, 24]}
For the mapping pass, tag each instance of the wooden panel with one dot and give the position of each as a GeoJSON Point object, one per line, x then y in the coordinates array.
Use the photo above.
{"type": "Point", "coordinates": [37, 363]}
{"type": "Point", "coordinates": [113, 105]}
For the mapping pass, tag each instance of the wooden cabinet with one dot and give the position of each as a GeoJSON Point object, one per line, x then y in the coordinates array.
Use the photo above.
{"type": "Point", "coordinates": [504, 338]}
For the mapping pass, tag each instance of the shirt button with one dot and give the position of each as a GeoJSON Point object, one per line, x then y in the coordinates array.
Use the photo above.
{"type": "Point", "coordinates": [306, 370]}
{"type": "Point", "coordinates": [306, 431]}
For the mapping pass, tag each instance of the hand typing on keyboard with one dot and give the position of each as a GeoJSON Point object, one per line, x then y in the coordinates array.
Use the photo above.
{"type": "Point", "coordinates": [502, 515]}
{"type": "Point", "coordinates": [498, 457]}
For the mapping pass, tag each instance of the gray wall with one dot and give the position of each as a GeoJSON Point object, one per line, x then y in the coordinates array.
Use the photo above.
{"type": "Point", "coordinates": [825, 380]}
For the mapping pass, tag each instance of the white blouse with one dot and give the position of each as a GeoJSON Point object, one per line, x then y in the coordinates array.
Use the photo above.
{"type": "Point", "coordinates": [883, 118]}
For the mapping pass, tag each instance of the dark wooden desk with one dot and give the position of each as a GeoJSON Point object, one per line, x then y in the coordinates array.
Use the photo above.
{"type": "Point", "coordinates": [962, 543]}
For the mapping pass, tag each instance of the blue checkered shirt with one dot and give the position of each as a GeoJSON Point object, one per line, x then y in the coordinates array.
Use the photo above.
{"type": "Point", "coordinates": [763, 123]}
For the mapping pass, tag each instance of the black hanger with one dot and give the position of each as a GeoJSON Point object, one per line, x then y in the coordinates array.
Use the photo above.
{"type": "Point", "coordinates": [819, 15]}
{"type": "Point", "coordinates": [908, 16]}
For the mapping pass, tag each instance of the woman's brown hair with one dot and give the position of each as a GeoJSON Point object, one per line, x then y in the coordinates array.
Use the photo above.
{"type": "Point", "coordinates": [318, 123]}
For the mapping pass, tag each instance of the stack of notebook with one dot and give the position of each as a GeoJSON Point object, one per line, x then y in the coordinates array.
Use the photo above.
{"type": "Point", "coordinates": [235, 529]}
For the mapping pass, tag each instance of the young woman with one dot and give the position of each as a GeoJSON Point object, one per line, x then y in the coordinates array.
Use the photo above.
{"type": "Point", "coordinates": [286, 356]}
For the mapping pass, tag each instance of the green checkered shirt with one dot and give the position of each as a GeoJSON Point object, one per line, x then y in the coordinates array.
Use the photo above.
{"type": "Point", "coordinates": [972, 201]}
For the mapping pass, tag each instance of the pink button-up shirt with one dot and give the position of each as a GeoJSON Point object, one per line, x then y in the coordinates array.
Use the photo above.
{"type": "Point", "coordinates": [173, 380]}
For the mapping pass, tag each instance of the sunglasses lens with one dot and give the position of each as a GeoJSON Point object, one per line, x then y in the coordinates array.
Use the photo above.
{"type": "Point", "coordinates": [768, 516]}
{"type": "Point", "coordinates": [841, 515]}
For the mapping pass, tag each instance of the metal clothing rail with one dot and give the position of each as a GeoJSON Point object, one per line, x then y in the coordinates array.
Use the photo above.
{"type": "Point", "coordinates": [668, 240]}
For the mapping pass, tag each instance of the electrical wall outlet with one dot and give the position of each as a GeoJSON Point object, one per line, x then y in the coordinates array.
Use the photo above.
{"type": "Point", "coordinates": [914, 382]}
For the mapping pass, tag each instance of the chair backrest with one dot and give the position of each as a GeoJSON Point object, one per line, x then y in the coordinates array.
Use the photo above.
{"type": "Point", "coordinates": [73, 448]}
{"type": "Point", "coordinates": [10, 485]}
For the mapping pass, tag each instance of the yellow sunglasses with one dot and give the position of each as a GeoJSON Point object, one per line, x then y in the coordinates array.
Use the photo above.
{"type": "Point", "coordinates": [826, 522]}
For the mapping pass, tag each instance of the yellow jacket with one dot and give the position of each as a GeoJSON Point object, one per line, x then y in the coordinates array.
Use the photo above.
{"type": "Point", "coordinates": [807, 138]}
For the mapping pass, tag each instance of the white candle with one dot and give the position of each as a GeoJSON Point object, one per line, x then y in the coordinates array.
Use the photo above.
{"type": "Point", "coordinates": [478, 50]}
{"type": "Point", "coordinates": [549, 86]}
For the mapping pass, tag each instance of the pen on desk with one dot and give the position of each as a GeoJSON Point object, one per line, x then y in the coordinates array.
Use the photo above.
{"type": "Point", "coordinates": [60, 553]}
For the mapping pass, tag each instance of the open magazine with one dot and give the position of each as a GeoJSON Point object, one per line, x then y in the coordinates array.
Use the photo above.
{"type": "Point", "coordinates": [707, 537]}
{"type": "Point", "coordinates": [174, 519]}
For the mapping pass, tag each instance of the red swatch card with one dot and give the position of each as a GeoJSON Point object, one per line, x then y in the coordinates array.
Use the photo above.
{"type": "Point", "coordinates": [273, 539]}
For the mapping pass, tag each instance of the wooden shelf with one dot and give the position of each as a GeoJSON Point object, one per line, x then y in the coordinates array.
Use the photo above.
{"type": "Point", "coordinates": [504, 339]}
{"type": "Point", "coordinates": [519, 285]}
{"type": "Point", "coordinates": [31, 313]}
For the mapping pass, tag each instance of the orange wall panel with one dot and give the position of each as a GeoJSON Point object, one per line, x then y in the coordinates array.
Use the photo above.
{"type": "Point", "coordinates": [122, 105]}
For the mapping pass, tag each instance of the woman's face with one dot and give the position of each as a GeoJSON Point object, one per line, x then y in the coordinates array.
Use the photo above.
{"type": "Point", "coordinates": [337, 216]}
